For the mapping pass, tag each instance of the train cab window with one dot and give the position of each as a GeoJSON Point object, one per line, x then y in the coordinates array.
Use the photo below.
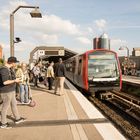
{"type": "Point", "coordinates": [80, 66]}
{"type": "Point", "coordinates": [102, 65]}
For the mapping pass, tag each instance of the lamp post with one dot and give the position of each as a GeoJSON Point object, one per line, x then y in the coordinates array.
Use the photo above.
{"type": "Point", "coordinates": [34, 13]}
{"type": "Point", "coordinates": [123, 48]}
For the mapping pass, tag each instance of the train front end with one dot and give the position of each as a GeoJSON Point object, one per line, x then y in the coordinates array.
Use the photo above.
{"type": "Point", "coordinates": [104, 72]}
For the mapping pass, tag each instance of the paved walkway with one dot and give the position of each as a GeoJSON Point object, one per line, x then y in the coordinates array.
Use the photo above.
{"type": "Point", "coordinates": [44, 122]}
{"type": "Point", "coordinates": [58, 118]}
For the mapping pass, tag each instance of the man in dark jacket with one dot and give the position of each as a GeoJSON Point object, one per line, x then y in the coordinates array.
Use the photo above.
{"type": "Point", "coordinates": [59, 71]}
{"type": "Point", "coordinates": [7, 90]}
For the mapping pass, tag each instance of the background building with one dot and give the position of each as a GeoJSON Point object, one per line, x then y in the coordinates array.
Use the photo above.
{"type": "Point", "coordinates": [1, 52]}
{"type": "Point", "coordinates": [136, 52]}
{"type": "Point", "coordinates": [103, 42]}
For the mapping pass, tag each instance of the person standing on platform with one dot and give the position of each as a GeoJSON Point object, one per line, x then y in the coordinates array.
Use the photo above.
{"type": "Point", "coordinates": [36, 72]}
{"type": "Point", "coordinates": [50, 75]}
{"type": "Point", "coordinates": [24, 85]}
{"type": "Point", "coordinates": [8, 82]}
{"type": "Point", "coordinates": [59, 71]}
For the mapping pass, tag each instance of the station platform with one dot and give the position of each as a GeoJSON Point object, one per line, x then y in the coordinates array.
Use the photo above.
{"type": "Point", "coordinates": [131, 80]}
{"type": "Point", "coordinates": [67, 117]}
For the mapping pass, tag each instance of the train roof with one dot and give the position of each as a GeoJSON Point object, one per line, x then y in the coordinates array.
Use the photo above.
{"type": "Point", "coordinates": [90, 51]}
{"type": "Point", "coordinates": [99, 50]}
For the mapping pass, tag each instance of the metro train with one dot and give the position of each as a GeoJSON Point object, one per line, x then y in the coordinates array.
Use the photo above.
{"type": "Point", "coordinates": [95, 71]}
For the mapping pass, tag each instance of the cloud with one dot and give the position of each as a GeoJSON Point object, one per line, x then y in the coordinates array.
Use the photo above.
{"type": "Point", "coordinates": [84, 40]}
{"type": "Point", "coordinates": [23, 22]}
{"type": "Point", "coordinates": [50, 24]}
{"type": "Point", "coordinates": [90, 30]}
{"type": "Point", "coordinates": [24, 46]}
{"type": "Point", "coordinates": [119, 42]}
{"type": "Point", "coordinates": [100, 24]}
{"type": "Point", "coordinates": [7, 10]}
{"type": "Point", "coordinates": [126, 27]}
{"type": "Point", "coordinates": [20, 47]}
{"type": "Point", "coordinates": [47, 39]}
{"type": "Point", "coordinates": [115, 44]}
{"type": "Point", "coordinates": [59, 25]}
{"type": "Point", "coordinates": [50, 29]}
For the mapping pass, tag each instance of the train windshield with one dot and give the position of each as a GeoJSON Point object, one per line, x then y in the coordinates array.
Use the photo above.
{"type": "Point", "coordinates": [102, 64]}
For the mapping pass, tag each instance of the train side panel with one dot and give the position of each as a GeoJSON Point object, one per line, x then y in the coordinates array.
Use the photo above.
{"type": "Point", "coordinates": [85, 71]}
{"type": "Point", "coordinates": [69, 69]}
{"type": "Point", "coordinates": [120, 72]}
{"type": "Point", "coordinates": [74, 70]}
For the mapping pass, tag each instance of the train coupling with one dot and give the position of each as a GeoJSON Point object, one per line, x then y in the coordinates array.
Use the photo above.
{"type": "Point", "coordinates": [106, 96]}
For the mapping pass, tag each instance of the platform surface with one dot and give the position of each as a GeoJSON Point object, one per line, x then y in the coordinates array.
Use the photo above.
{"type": "Point", "coordinates": [67, 117]}
{"type": "Point", "coordinates": [131, 80]}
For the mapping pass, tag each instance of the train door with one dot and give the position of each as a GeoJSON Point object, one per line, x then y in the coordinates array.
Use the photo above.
{"type": "Point", "coordinates": [79, 74]}
{"type": "Point", "coordinates": [75, 67]}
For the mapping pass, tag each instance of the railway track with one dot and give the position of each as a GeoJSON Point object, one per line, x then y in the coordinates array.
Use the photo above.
{"type": "Point", "coordinates": [123, 112]}
{"type": "Point", "coordinates": [129, 104]}
{"type": "Point", "coordinates": [131, 99]}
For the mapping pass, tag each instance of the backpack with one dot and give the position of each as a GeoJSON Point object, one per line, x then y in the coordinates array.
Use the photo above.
{"type": "Point", "coordinates": [1, 82]}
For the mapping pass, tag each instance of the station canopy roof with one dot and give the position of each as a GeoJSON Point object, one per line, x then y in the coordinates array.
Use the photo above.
{"type": "Point", "coordinates": [54, 53]}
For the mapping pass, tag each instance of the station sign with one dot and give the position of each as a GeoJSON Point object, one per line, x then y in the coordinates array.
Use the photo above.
{"type": "Point", "coordinates": [60, 52]}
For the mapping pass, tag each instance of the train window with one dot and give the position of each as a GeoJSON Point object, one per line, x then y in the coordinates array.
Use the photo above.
{"type": "Point", "coordinates": [73, 66]}
{"type": "Point", "coordinates": [68, 66]}
{"type": "Point", "coordinates": [102, 65]}
{"type": "Point", "coordinates": [80, 66]}
{"type": "Point", "coordinates": [80, 60]}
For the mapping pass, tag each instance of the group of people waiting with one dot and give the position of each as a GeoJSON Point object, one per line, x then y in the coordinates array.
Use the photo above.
{"type": "Point", "coordinates": [12, 76]}
{"type": "Point", "coordinates": [54, 75]}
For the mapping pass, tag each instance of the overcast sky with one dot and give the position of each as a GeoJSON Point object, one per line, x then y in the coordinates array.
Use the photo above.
{"type": "Point", "coordinates": [71, 23]}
